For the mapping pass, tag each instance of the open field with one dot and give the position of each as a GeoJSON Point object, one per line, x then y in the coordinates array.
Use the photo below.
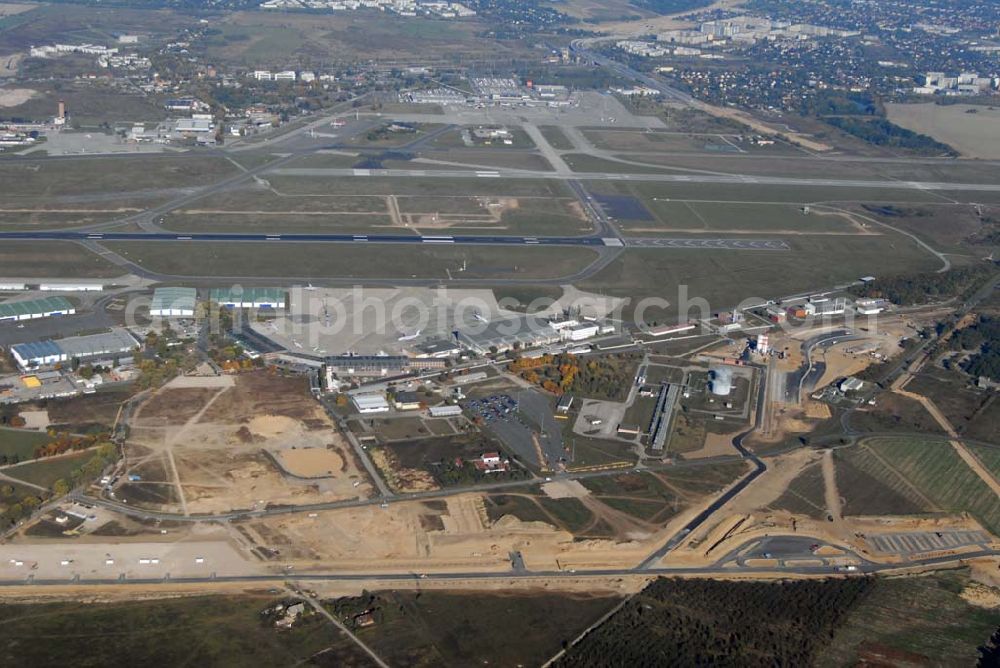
{"type": "Point", "coordinates": [434, 628]}
{"type": "Point", "coordinates": [45, 472]}
{"type": "Point", "coordinates": [424, 187]}
{"type": "Point", "coordinates": [20, 444]}
{"type": "Point", "coordinates": [318, 260]}
{"type": "Point", "coordinates": [91, 104]}
{"type": "Point", "coordinates": [972, 130]}
{"type": "Point", "coordinates": [86, 413]}
{"type": "Point", "coordinates": [724, 278]}
{"type": "Point", "coordinates": [117, 174]}
{"type": "Point", "coordinates": [912, 621]}
{"type": "Point", "coordinates": [207, 630]}
{"type": "Point", "coordinates": [254, 437]}
{"type": "Point", "coordinates": [44, 259]}
{"type": "Point", "coordinates": [262, 38]}
{"type": "Point", "coordinates": [263, 210]}
{"type": "Point", "coordinates": [927, 472]}
{"type": "Point", "coordinates": [729, 217]}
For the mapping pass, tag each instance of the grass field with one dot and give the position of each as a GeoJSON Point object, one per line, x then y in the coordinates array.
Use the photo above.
{"type": "Point", "coordinates": [119, 174]}
{"type": "Point", "coordinates": [46, 471]}
{"type": "Point", "coordinates": [927, 472]}
{"type": "Point", "coordinates": [423, 187]}
{"type": "Point", "coordinates": [44, 259]}
{"type": "Point", "coordinates": [726, 277]}
{"type": "Point", "coordinates": [556, 137]}
{"type": "Point", "coordinates": [319, 260]}
{"type": "Point", "coordinates": [744, 217]}
{"type": "Point", "coordinates": [21, 444]}
{"type": "Point", "coordinates": [201, 630]}
{"type": "Point", "coordinates": [912, 621]}
{"type": "Point", "coordinates": [760, 193]}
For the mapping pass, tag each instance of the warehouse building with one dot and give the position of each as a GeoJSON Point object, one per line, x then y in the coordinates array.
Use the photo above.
{"type": "Point", "coordinates": [445, 410]}
{"type": "Point", "coordinates": [92, 347]}
{"type": "Point", "coordinates": [35, 308]}
{"type": "Point", "coordinates": [173, 302]}
{"type": "Point", "coordinates": [249, 297]}
{"type": "Point", "coordinates": [370, 403]}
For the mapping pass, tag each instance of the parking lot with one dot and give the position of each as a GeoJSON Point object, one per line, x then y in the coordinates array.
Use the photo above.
{"type": "Point", "coordinates": [524, 423]}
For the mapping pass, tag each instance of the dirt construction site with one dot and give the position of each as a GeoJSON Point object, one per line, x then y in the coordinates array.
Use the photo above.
{"type": "Point", "coordinates": [218, 443]}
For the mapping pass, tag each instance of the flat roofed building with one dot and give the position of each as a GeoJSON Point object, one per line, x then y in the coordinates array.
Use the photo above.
{"type": "Point", "coordinates": [37, 354]}
{"type": "Point", "coordinates": [173, 302]}
{"type": "Point", "coordinates": [71, 287]}
{"type": "Point", "coordinates": [503, 335]}
{"type": "Point", "coordinates": [447, 410]}
{"type": "Point", "coordinates": [249, 297]}
{"type": "Point", "coordinates": [438, 349]}
{"type": "Point", "coordinates": [36, 308]}
{"type": "Point", "coordinates": [406, 401]}
{"type": "Point", "coordinates": [370, 403]}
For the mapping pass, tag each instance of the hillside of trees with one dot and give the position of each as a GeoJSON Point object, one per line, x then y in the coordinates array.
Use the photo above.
{"type": "Point", "coordinates": [912, 289]}
{"type": "Point", "coordinates": [714, 623]}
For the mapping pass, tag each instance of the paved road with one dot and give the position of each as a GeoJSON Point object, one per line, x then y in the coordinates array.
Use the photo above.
{"type": "Point", "coordinates": [759, 468]}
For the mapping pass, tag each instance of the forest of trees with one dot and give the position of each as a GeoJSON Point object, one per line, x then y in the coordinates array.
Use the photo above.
{"type": "Point", "coordinates": [984, 339]}
{"type": "Point", "coordinates": [714, 623]}
{"type": "Point", "coordinates": [881, 132]}
{"type": "Point", "coordinates": [923, 288]}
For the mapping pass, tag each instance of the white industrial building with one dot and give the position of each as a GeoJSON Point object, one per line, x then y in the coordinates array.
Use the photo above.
{"type": "Point", "coordinates": [446, 410]}
{"type": "Point", "coordinates": [824, 306]}
{"type": "Point", "coordinates": [71, 287]}
{"type": "Point", "coordinates": [173, 302]}
{"type": "Point", "coordinates": [370, 403]}
{"type": "Point", "coordinates": [580, 331]}
{"type": "Point", "coordinates": [869, 306]}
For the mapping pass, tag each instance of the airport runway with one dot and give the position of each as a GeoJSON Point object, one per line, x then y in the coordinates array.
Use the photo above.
{"type": "Point", "coordinates": [723, 179]}
{"type": "Point", "coordinates": [462, 240]}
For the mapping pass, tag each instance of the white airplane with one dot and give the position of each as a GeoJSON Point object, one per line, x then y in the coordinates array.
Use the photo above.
{"type": "Point", "coordinates": [310, 287]}
{"type": "Point", "coordinates": [478, 316]}
{"type": "Point", "coordinates": [409, 337]}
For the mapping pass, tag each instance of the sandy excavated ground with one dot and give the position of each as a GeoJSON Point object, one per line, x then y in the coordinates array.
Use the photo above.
{"type": "Point", "coordinates": [451, 534]}
{"type": "Point", "coordinates": [217, 445]}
